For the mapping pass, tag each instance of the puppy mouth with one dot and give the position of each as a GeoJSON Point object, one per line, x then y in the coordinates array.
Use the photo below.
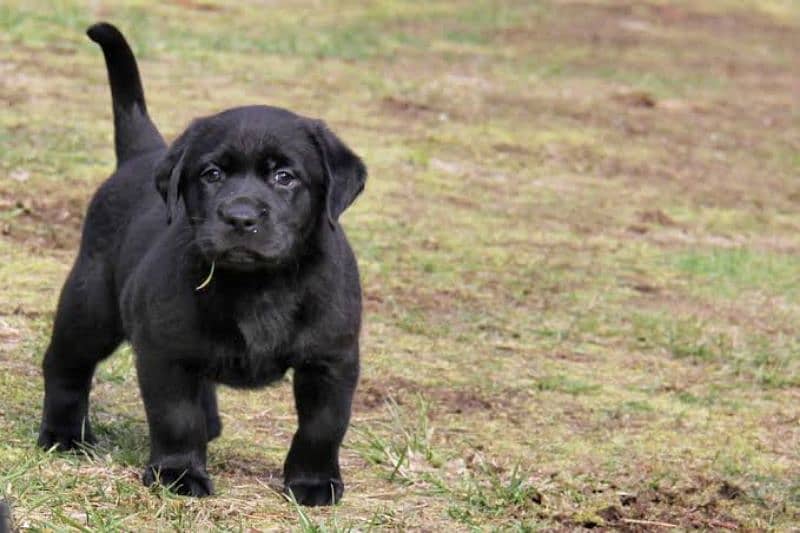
{"type": "Point", "coordinates": [239, 254]}
{"type": "Point", "coordinates": [241, 258]}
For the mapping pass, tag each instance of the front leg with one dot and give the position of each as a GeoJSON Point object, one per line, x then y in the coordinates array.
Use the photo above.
{"type": "Point", "coordinates": [323, 393]}
{"type": "Point", "coordinates": [174, 402]}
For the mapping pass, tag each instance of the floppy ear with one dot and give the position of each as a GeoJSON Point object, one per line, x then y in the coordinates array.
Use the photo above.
{"type": "Point", "coordinates": [345, 173]}
{"type": "Point", "coordinates": [168, 173]}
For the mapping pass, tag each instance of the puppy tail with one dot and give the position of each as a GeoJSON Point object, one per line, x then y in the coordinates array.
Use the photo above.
{"type": "Point", "coordinates": [134, 132]}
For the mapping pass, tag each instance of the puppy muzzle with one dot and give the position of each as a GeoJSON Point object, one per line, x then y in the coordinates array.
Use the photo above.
{"type": "Point", "coordinates": [242, 216]}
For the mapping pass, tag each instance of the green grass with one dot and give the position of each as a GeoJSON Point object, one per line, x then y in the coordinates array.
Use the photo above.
{"type": "Point", "coordinates": [578, 245]}
{"type": "Point", "coordinates": [730, 271]}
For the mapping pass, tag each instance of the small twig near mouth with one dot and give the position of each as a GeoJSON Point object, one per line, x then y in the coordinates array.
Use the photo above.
{"type": "Point", "coordinates": [208, 279]}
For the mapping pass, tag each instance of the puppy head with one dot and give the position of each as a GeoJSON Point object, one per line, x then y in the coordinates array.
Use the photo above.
{"type": "Point", "coordinates": [257, 182]}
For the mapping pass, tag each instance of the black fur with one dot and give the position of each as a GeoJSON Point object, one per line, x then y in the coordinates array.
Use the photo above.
{"type": "Point", "coordinates": [254, 194]}
{"type": "Point", "coordinates": [5, 518]}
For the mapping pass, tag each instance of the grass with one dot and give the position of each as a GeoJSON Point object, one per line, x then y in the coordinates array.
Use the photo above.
{"type": "Point", "coordinates": [732, 270]}
{"type": "Point", "coordinates": [579, 249]}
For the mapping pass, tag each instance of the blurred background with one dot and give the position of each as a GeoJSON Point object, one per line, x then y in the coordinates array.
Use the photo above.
{"type": "Point", "coordinates": [579, 247]}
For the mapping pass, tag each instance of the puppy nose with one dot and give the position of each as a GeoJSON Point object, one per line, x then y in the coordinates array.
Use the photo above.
{"type": "Point", "coordinates": [241, 217]}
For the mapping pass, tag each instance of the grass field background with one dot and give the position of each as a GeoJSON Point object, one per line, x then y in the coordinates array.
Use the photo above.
{"type": "Point", "coordinates": [579, 247]}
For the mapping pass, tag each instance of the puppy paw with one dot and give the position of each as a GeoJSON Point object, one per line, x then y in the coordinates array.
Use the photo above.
{"type": "Point", "coordinates": [314, 492]}
{"type": "Point", "coordinates": [65, 439]}
{"type": "Point", "coordinates": [190, 481]}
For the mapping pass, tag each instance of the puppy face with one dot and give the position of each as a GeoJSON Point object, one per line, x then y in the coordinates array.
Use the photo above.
{"type": "Point", "coordinates": [253, 188]}
{"type": "Point", "coordinates": [257, 182]}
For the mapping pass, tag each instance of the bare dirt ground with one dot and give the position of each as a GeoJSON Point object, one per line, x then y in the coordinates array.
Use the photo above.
{"type": "Point", "coordinates": [579, 247]}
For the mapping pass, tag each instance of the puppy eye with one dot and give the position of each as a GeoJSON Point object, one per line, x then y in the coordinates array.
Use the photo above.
{"type": "Point", "coordinates": [284, 178]}
{"type": "Point", "coordinates": [211, 174]}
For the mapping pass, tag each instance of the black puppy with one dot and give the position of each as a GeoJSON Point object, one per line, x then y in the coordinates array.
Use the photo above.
{"type": "Point", "coordinates": [248, 276]}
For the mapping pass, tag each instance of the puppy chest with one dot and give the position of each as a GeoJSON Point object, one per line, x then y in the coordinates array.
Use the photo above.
{"type": "Point", "coordinates": [258, 354]}
{"type": "Point", "coordinates": [266, 329]}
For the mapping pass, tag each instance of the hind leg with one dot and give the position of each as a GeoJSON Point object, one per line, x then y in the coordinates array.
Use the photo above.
{"type": "Point", "coordinates": [208, 398]}
{"type": "Point", "coordinates": [87, 329]}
